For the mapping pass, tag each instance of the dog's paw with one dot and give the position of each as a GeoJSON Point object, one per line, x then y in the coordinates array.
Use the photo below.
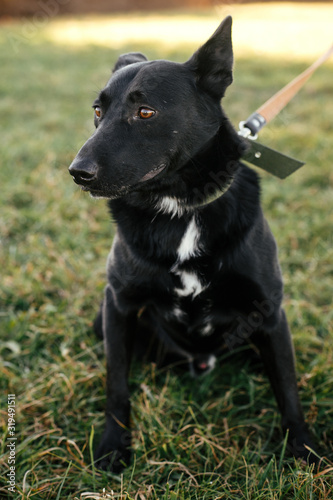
{"type": "Point", "coordinates": [300, 445]}
{"type": "Point", "coordinates": [112, 461]}
{"type": "Point", "coordinates": [113, 454]}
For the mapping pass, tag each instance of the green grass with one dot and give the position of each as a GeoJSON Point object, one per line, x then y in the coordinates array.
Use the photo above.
{"type": "Point", "coordinates": [215, 439]}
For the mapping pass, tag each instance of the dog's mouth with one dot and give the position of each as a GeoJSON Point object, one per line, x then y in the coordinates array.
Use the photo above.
{"type": "Point", "coordinates": [89, 181]}
{"type": "Point", "coordinates": [105, 192]}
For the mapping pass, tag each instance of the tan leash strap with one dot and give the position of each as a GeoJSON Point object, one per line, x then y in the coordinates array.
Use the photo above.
{"type": "Point", "coordinates": [278, 101]}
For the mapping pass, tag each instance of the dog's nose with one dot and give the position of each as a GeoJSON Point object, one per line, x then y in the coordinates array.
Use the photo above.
{"type": "Point", "coordinates": [84, 173]}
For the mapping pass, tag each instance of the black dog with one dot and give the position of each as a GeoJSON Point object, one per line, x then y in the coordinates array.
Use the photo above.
{"type": "Point", "coordinates": [193, 261]}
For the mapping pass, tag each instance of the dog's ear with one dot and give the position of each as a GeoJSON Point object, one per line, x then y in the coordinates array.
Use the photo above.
{"type": "Point", "coordinates": [126, 59]}
{"type": "Point", "coordinates": [213, 62]}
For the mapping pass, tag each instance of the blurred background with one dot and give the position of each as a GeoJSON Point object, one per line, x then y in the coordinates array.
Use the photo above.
{"type": "Point", "coordinates": [296, 28]}
{"type": "Point", "coordinates": [55, 56]}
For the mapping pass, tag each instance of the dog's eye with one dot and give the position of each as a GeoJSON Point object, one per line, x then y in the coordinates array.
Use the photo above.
{"type": "Point", "coordinates": [145, 113]}
{"type": "Point", "coordinates": [98, 111]}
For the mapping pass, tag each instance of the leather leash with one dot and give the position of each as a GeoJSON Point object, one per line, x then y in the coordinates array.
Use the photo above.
{"type": "Point", "coordinates": [262, 156]}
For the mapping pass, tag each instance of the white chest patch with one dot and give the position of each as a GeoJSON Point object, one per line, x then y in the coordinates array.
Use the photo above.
{"type": "Point", "coordinates": [191, 284]}
{"type": "Point", "coordinates": [207, 330]}
{"type": "Point", "coordinates": [189, 245]}
{"type": "Point", "coordinates": [169, 205]}
{"type": "Point", "coordinates": [179, 314]}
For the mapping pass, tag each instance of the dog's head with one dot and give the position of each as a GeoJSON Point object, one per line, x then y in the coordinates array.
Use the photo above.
{"type": "Point", "coordinates": [153, 117]}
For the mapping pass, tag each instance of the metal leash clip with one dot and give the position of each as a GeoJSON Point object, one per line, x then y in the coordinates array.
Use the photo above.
{"type": "Point", "coordinates": [250, 127]}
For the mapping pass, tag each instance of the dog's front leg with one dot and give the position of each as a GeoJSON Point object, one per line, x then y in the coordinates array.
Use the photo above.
{"type": "Point", "coordinates": [118, 329]}
{"type": "Point", "coordinates": [277, 352]}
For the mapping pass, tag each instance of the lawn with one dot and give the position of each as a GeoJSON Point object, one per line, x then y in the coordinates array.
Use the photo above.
{"type": "Point", "coordinates": [218, 438]}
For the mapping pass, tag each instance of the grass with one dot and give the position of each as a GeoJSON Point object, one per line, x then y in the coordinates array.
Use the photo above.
{"type": "Point", "coordinates": [217, 439]}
